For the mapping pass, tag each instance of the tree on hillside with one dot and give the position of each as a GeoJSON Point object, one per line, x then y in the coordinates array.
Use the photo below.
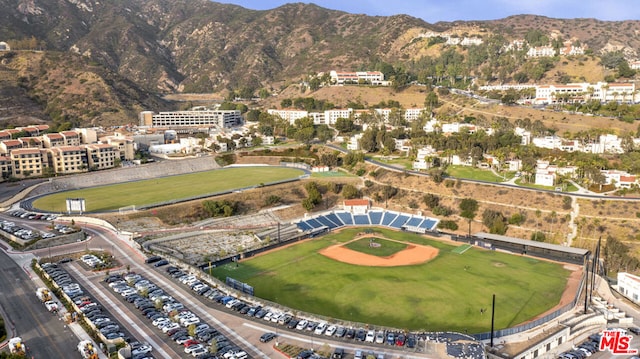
{"type": "Point", "coordinates": [468, 208]}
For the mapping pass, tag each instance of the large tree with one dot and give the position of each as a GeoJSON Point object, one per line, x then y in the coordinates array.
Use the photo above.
{"type": "Point", "coordinates": [468, 209]}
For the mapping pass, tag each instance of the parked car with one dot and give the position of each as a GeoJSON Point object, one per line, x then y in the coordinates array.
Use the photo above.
{"type": "Point", "coordinates": [266, 337]}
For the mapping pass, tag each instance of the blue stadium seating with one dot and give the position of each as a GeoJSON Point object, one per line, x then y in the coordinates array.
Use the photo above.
{"type": "Point", "coordinates": [399, 221]}
{"type": "Point", "coordinates": [345, 217]}
{"type": "Point", "coordinates": [314, 223]}
{"type": "Point", "coordinates": [428, 224]}
{"type": "Point", "coordinates": [414, 221]}
{"type": "Point", "coordinates": [333, 218]}
{"type": "Point", "coordinates": [375, 217]}
{"type": "Point", "coordinates": [361, 219]}
{"type": "Point", "coordinates": [325, 221]}
{"type": "Point", "coordinates": [388, 218]}
{"type": "Point", "coordinates": [304, 226]}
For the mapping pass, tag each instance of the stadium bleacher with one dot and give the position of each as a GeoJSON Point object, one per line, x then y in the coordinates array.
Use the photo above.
{"type": "Point", "coordinates": [375, 217]}
{"type": "Point", "coordinates": [414, 221]}
{"type": "Point", "coordinates": [345, 217]}
{"type": "Point", "coordinates": [361, 219]}
{"type": "Point", "coordinates": [388, 218]}
{"type": "Point", "coordinates": [399, 221]}
{"type": "Point", "coordinates": [393, 220]}
{"type": "Point", "coordinates": [327, 222]}
{"type": "Point", "coordinates": [333, 218]}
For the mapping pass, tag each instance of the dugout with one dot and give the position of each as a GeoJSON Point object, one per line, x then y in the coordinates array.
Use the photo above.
{"type": "Point", "coordinates": [537, 249]}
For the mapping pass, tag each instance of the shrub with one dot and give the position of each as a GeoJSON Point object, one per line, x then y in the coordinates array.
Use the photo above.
{"type": "Point", "coordinates": [452, 225]}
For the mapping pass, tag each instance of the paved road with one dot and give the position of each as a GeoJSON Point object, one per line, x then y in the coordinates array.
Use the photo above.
{"type": "Point", "coordinates": [44, 333]}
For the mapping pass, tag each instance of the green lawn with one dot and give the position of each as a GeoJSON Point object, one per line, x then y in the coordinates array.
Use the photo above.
{"type": "Point", "coordinates": [445, 293]}
{"type": "Point", "coordinates": [164, 189]}
{"type": "Point", "coordinates": [386, 248]}
{"type": "Point", "coordinates": [473, 173]}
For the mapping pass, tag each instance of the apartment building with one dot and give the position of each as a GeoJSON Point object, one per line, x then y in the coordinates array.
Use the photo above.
{"type": "Point", "coordinates": [6, 169]}
{"type": "Point", "coordinates": [10, 145]}
{"type": "Point", "coordinates": [124, 146]}
{"type": "Point", "coordinates": [27, 162]}
{"type": "Point", "coordinates": [208, 118]}
{"type": "Point", "coordinates": [101, 156]}
{"type": "Point", "coordinates": [71, 138]}
{"type": "Point", "coordinates": [53, 140]}
{"type": "Point", "coordinates": [290, 115]}
{"type": "Point", "coordinates": [68, 159]}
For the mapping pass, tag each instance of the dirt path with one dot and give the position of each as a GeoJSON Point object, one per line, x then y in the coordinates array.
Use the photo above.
{"type": "Point", "coordinates": [413, 254]}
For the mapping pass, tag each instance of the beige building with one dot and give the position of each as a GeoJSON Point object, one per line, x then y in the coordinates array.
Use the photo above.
{"type": "Point", "coordinates": [71, 138]}
{"type": "Point", "coordinates": [53, 140]}
{"type": "Point", "coordinates": [6, 169]}
{"type": "Point", "coordinates": [101, 156]}
{"type": "Point", "coordinates": [27, 162]}
{"type": "Point", "coordinates": [68, 159]}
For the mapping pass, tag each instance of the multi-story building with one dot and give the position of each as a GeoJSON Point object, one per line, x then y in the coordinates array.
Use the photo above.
{"type": "Point", "coordinates": [331, 116]}
{"type": "Point", "coordinates": [6, 169]}
{"type": "Point", "coordinates": [27, 162]}
{"type": "Point", "coordinates": [68, 159]}
{"type": "Point", "coordinates": [71, 138]}
{"type": "Point", "coordinates": [101, 156]}
{"type": "Point", "coordinates": [354, 77]}
{"type": "Point", "coordinates": [10, 145]}
{"type": "Point", "coordinates": [629, 285]}
{"type": "Point", "coordinates": [124, 146]}
{"type": "Point", "coordinates": [290, 115]}
{"type": "Point", "coordinates": [53, 140]}
{"type": "Point", "coordinates": [581, 92]}
{"type": "Point", "coordinates": [207, 118]}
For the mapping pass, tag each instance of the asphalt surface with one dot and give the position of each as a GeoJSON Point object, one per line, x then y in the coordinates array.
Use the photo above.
{"type": "Point", "coordinates": [44, 333]}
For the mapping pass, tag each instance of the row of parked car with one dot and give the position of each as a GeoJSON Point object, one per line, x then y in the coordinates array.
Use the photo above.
{"type": "Point", "coordinates": [24, 233]}
{"type": "Point", "coordinates": [173, 319]}
{"type": "Point", "coordinates": [34, 216]}
{"type": "Point", "coordinates": [90, 308]}
{"type": "Point", "coordinates": [279, 317]}
{"type": "Point", "coordinates": [584, 349]}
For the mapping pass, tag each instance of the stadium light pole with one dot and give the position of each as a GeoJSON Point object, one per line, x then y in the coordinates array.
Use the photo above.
{"type": "Point", "coordinates": [493, 311]}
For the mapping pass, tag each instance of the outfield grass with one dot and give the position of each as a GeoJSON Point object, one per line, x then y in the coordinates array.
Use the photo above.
{"type": "Point", "coordinates": [164, 189]}
{"type": "Point", "coordinates": [445, 293]}
{"type": "Point", "coordinates": [386, 248]}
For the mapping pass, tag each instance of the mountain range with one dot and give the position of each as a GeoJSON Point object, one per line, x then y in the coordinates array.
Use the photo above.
{"type": "Point", "coordinates": [100, 62]}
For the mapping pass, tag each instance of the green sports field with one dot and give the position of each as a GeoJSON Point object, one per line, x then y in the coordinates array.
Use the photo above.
{"type": "Point", "coordinates": [157, 190]}
{"type": "Point", "coordinates": [446, 293]}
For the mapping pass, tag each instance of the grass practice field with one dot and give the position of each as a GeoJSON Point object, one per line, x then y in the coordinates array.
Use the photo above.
{"type": "Point", "coordinates": [157, 190]}
{"type": "Point", "coordinates": [446, 293]}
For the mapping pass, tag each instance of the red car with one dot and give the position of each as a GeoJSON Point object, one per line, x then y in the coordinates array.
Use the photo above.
{"type": "Point", "coordinates": [190, 342]}
{"type": "Point", "coordinates": [400, 339]}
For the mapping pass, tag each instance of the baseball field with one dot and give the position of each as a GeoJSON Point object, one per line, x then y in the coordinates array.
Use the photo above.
{"type": "Point", "coordinates": [170, 188]}
{"type": "Point", "coordinates": [403, 280]}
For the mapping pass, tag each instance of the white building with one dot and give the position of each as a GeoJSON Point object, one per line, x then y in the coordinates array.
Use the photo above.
{"type": "Point", "coordinates": [354, 142]}
{"type": "Point", "coordinates": [549, 142]}
{"type": "Point", "coordinates": [629, 286]}
{"type": "Point", "coordinates": [582, 92]}
{"type": "Point", "coordinates": [331, 116]}
{"type": "Point", "coordinates": [354, 77]}
{"type": "Point", "coordinates": [219, 118]}
{"type": "Point", "coordinates": [545, 174]}
{"type": "Point", "coordinates": [620, 179]}
{"type": "Point", "coordinates": [290, 115]}
{"type": "Point", "coordinates": [541, 51]}
{"type": "Point", "coordinates": [524, 135]}
{"type": "Point", "coordinates": [422, 161]}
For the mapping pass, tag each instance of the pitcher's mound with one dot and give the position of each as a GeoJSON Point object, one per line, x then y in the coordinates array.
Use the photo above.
{"type": "Point", "coordinates": [413, 254]}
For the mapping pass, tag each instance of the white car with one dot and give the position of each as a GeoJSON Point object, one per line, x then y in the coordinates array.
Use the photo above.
{"type": "Point", "coordinates": [160, 321]}
{"type": "Point", "coordinates": [331, 330]}
{"type": "Point", "coordinates": [193, 347]}
{"type": "Point", "coordinates": [191, 321]}
{"type": "Point", "coordinates": [371, 334]}
{"type": "Point", "coordinates": [302, 324]}
{"type": "Point", "coordinates": [320, 328]}
{"type": "Point", "coordinates": [170, 326]}
{"type": "Point", "coordinates": [143, 349]}
{"type": "Point", "coordinates": [380, 337]}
